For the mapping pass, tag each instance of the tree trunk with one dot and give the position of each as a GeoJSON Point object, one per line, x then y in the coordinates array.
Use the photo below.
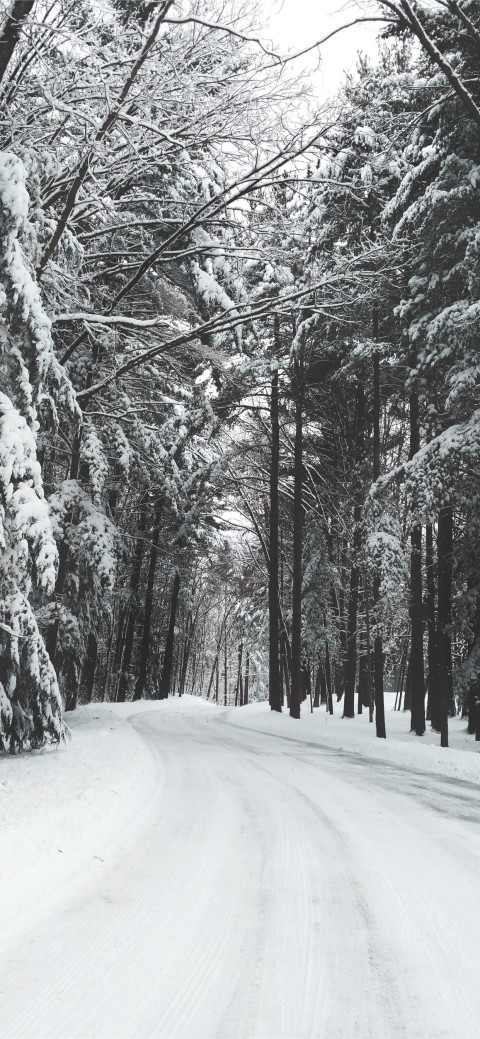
{"type": "Point", "coordinates": [12, 31]}
{"type": "Point", "coordinates": [274, 686]}
{"type": "Point", "coordinates": [296, 667]}
{"type": "Point", "coordinates": [239, 675]}
{"type": "Point", "coordinates": [362, 691]}
{"type": "Point", "coordinates": [225, 668]}
{"type": "Point", "coordinates": [284, 660]}
{"type": "Point", "coordinates": [328, 679]}
{"type": "Point", "coordinates": [129, 634]}
{"type": "Point", "coordinates": [352, 614]}
{"type": "Point", "coordinates": [320, 695]}
{"type": "Point", "coordinates": [434, 711]}
{"type": "Point", "coordinates": [445, 548]}
{"type": "Point", "coordinates": [378, 659]}
{"type": "Point", "coordinates": [148, 609]}
{"type": "Point", "coordinates": [189, 633]}
{"type": "Point", "coordinates": [247, 679]}
{"type": "Point", "coordinates": [417, 677]}
{"type": "Point", "coordinates": [53, 629]}
{"type": "Point", "coordinates": [90, 667]}
{"type": "Point", "coordinates": [369, 662]}
{"type": "Point", "coordinates": [167, 666]}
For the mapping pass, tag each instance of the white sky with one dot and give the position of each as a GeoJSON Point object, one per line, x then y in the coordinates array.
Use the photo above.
{"type": "Point", "coordinates": [294, 24]}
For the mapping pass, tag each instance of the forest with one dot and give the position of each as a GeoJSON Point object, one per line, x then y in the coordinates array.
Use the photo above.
{"type": "Point", "coordinates": [239, 364]}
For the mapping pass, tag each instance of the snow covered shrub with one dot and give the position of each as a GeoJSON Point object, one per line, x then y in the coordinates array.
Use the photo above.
{"type": "Point", "coordinates": [27, 554]}
{"type": "Point", "coordinates": [29, 375]}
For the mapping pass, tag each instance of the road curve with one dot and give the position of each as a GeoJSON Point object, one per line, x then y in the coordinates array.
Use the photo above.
{"type": "Point", "coordinates": [277, 890]}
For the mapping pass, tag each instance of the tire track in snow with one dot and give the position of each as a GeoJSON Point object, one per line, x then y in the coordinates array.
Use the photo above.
{"type": "Point", "coordinates": [272, 894]}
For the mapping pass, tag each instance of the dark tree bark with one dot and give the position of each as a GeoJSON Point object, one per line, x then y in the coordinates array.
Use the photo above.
{"type": "Point", "coordinates": [338, 605]}
{"type": "Point", "coordinates": [352, 613]}
{"type": "Point", "coordinates": [444, 552]}
{"type": "Point", "coordinates": [416, 653]}
{"type": "Point", "coordinates": [212, 676]}
{"type": "Point", "coordinates": [434, 712]}
{"type": "Point", "coordinates": [247, 679]}
{"type": "Point", "coordinates": [238, 686]}
{"type": "Point", "coordinates": [378, 658]}
{"type": "Point", "coordinates": [12, 31]}
{"type": "Point", "coordinates": [274, 684]}
{"type": "Point", "coordinates": [167, 666]}
{"type": "Point", "coordinates": [53, 629]}
{"type": "Point", "coordinates": [320, 695]}
{"type": "Point", "coordinates": [285, 658]}
{"type": "Point", "coordinates": [417, 676]}
{"type": "Point", "coordinates": [477, 718]}
{"type": "Point", "coordinates": [126, 632]}
{"type": "Point", "coordinates": [90, 667]}
{"type": "Point", "coordinates": [189, 634]}
{"type": "Point", "coordinates": [225, 668]}
{"type": "Point", "coordinates": [296, 666]}
{"type": "Point", "coordinates": [328, 679]}
{"type": "Point", "coordinates": [368, 674]}
{"type": "Point", "coordinates": [362, 691]}
{"type": "Point", "coordinates": [148, 608]}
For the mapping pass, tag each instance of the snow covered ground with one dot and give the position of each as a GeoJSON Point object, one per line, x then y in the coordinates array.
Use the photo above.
{"type": "Point", "coordinates": [358, 735]}
{"type": "Point", "coordinates": [184, 871]}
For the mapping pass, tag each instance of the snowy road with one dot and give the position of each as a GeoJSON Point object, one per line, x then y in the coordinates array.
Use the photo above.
{"type": "Point", "coordinates": [277, 889]}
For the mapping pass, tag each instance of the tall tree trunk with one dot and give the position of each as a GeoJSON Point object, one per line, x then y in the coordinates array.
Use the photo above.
{"type": "Point", "coordinates": [417, 676]}
{"type": "Point", "coordinates": [296, 668]}
{"type": "Point", "coordinates": [148, 608]}
{"type": "Point", "coordinates": [378, 660]}
{"type": "Point", "coordinates": [225, 668]}
{"type": "Point", "coordinates": [53, 629]}
{"type": "Point", "coordinates": [167, 666]}
{"type": "Point", "coordinates": [90, 667]}
{"type": "Point", "coordinates": [239, 675]}
{"type": "Point", "coordinates": [320, 686]}
{"type": "Point", "coordinates": [369, 660]}
{"type": "Point", "coordinates": [338, 606]}
{"type": "Point", "coordinates": [126, 631]}
{"type": "Point", "coordinates": [328, 679]}
{"type": "Point", "coordinates": [434, 711]}
{"type": "Point", "coordinates": [274, 687]}
{"type": "Point", "coordinates": [190, 631]}
{"type": "Point", "coordinates": [352, 614]}
{"type": "Point", "coordinates": [445, 548]}
{"type": "Point", "coordinates": [247, 679]}
{"type": "Point", "coordinates": [11, 32]}
{"type": "Point", "coordinates": [285, 658]}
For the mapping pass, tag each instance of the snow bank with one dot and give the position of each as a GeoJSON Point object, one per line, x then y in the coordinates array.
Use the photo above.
{"type": "Point", "coordinates": [64, 812]}
{"type": "Point", "coordinates": [357, 736]}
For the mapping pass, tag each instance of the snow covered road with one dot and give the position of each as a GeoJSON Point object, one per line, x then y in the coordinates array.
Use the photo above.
{"type": "Point", "coordinates": [274, 888]}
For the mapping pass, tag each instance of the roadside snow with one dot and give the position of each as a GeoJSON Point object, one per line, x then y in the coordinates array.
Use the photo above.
{"type": "Point", "coordinates": [357, 735]}
{"type": "Point", "coordinates": [65, 811]}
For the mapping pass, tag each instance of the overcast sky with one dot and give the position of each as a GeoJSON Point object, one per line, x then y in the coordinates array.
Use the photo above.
{"type": "Point", "coordinates": [298, 23]}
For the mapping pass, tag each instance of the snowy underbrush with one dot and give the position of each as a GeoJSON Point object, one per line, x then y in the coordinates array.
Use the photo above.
{"type": "Point", "coordinates": [64, 812]}
{"type": "Point", "coordinates": [358, 736]}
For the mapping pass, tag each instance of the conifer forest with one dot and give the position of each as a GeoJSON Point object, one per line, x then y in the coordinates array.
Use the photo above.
{"type": "Point", "coordinates": [240, 433]}
{"type": "Point", "coordinates": [239, 426]}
